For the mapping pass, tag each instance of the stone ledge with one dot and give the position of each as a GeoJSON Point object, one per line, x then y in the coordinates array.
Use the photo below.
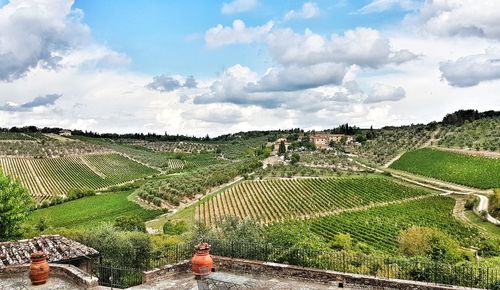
{"type": "Point", "coordinates": [318, 275]}
{"type": "Point", "coordinates": [149, 276]}
{"type": "Point", "coordinates": [61, 270]}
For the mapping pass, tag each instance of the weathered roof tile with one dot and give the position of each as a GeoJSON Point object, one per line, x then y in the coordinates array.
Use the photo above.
{"type": "Point", "coordinates": [57, 249]}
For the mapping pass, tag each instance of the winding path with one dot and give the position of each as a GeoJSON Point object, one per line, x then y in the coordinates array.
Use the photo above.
{"type": "Point", "coordinates": [483, 206]}
{"type": "Point", "coordinates": [445, 187]}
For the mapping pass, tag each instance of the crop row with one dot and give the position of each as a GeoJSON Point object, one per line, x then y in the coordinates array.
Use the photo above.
{"type": "Point", "coordinates": [277, 199]}
{"type": "Point", "coordinates": [117, 168]}
{"type": "Point", "coordinates": [380, 226]}
{"type": "Point", "coordinates": [45, 178]}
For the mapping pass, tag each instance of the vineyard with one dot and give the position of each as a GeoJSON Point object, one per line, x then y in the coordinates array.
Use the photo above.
{"type": "Point", "coordinates": [277, 200]}
{"type": "Point", "coordinates": [117, 168]}
{"type": "Point", "coordinates": [475, 171]}
{"type": "Point", "coordinates": [173, 190]}
{"type": "Point", "coordinates": [379, 227]}
{"type": "Point", "coordinates": [45, 178]}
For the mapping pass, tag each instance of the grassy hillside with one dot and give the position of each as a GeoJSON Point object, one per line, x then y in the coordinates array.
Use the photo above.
{"type": "Point", "coordinates": [90, 211]}
{"type": "Point", "coordinates": [481, 134]}
{"type": "Point", "coordinates": [479, 172]}
{"type": "Point", "coordinates": [277, 200]}
{"type": "Point", "coordinates": [379, 227]}
{"type": "Point", "coordinates": [391, 141]}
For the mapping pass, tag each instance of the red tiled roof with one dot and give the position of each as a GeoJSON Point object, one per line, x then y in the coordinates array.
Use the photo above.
{"type": "Point", "coordinates": [57, 248]}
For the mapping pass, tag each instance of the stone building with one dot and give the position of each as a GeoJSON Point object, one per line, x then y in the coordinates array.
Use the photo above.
{"type": "Point", "coordinates": [322, 141]}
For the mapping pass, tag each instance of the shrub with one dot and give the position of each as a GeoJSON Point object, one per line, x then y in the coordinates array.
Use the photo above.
{"type": "Point", "coordinates": [429, 242]}
{"type": "Point", "coordinates": [171, 228]}
{"type": "Point", "coordinates": [130, 223]}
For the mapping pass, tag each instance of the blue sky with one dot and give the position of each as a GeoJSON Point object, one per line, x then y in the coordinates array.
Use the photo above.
{"type": "Point", "coordinates": [167, 36]}
{"type": "Point", "coordinates": [216, 67]}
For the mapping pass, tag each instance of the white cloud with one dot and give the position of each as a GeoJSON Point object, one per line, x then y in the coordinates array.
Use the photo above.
{"type": "Point", "coordinates": [377, 6]}
{"type": "Point", "coordinates": [37, 33]}
{"type": "Point", "coordinates": [461, 18]}
{"type": "Point", "coordinates": [309, 10]}
{"type": "Point", "coordinates": [293, 78]}
{"type": "Point", "coordinates": [473, 69]}
{"type": "Point", "coordinates": [238, 33]}
{"type": "Point", "coordinates": [383, 93]}
{"type": "Point", "coordinates": [237, 6]}
{"type": "Point", "coordinates": [361, 46]}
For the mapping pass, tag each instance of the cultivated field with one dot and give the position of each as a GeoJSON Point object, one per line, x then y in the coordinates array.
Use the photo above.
{"type": "Point", "coordinates": [90, 211]}
{"type": "Point", "coordinates": [45, 178]}
{"type": "Point", "coordinates": [277, 199]}
{"type": "Point", "coordinates": [379, 227]}
{"type": "Point", "coordinates": [475, 171]}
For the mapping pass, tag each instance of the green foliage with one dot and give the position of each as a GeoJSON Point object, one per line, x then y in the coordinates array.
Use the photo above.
{"type": "Point", "coordinates": [122, 249]}
{"type": "Point", "coordinates": [479, 172]}
{"type": "Point", "coordinates": [42, 224]}
{"type": "Point", "coordinates": [429, 242]}
{"type": "Point", "coordinates": [341, 242]}
{"type": "Point", "coordinates": [282, 148]}
{"type": "Point", "coordinates": [379, 227]}
{"type": "Point", "coordinates": [15, 205]}
{"type": "Point", "coordinates": [131, 223]}
{"type": "Point", "coordinates": [494, 204]}
{"type": "Point", "coordinates": [295, 158]}
{"type": "Point", "coordinates": [175, 228]}
{"type": "Point", "coordinates": [79, 193]}
{"type": "Point", "coordinates": [471, 202]}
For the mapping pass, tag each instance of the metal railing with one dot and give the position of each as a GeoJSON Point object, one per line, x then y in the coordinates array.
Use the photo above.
{"type": "Point", "coordinates": [465, 275]}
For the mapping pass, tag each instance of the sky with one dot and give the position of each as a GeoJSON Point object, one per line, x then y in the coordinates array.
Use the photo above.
{"type": "Point", "coordinates": [216, 67]}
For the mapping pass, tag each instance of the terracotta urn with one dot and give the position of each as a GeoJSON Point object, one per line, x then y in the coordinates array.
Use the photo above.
{"type": "Point", "coordinates": [39, 268]}
{"type": "Point", "coordinates": [202, 262]}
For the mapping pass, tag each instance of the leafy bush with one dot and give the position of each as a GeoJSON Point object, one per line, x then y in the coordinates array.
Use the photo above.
{"type": "Point", "coordinates": [172, 228]}
{"type": "Point", "coordinates": [130, 223]}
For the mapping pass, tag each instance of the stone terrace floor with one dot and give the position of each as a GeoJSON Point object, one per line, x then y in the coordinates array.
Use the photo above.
{"type": "Point", "coordinates": [22, 282]}
{"type": "Point", "coordinates": [186, 281]}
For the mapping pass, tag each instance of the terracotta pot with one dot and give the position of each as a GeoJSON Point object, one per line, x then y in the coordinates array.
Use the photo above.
{"type": "Point", "coordinates": [39, 268]}
{"type": "Point", "coordinates": [202, 262]}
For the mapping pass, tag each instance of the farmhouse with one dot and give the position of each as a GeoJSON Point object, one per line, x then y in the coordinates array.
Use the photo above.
{"type": "Point", "coordinates": [58, 249]}
{"type": "Point", "coordinates": [322, 141]}
{"type": "Point", "coordinates": [66, 133]}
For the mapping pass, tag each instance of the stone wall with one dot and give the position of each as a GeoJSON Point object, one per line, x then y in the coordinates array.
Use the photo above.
{"type": "Point", "coordinates": [69, 272]}
{"type": "Point", "coordinates": [295, 272]}
{"type": "Point", "coordinates": [148, 276]}
{"type": "Point", "coordinates": [318, 275]}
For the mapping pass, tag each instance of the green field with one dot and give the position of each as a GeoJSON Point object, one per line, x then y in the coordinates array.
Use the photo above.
{"type": "Point", "coordinates": [379, 227]}
{"type": "Point", "coordinates": [478, 172]}
{"type": "Point", "coordinates": [90, 211]}
{"type": "Point", "coordinates": [277, 199]}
